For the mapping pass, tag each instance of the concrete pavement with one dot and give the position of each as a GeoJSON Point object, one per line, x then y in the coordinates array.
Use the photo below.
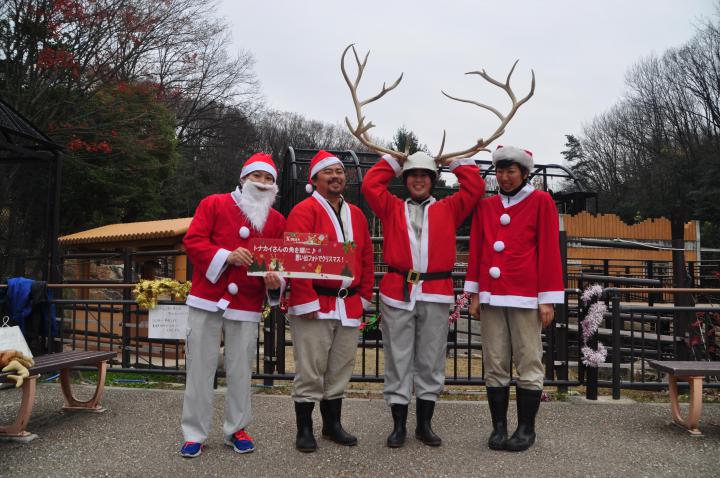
{"type": "Point", "coordinates": [139, 435]}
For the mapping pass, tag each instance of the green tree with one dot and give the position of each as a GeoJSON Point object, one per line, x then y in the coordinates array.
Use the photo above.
{"type": "Point", "coordinates": [121, 158]}
{"type": "Point", "coordinates": [125, 85]}
{"type": "Point", "coordinates": [406, 140]}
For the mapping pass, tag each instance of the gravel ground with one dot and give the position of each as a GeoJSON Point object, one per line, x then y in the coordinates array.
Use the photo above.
{"type": "Point", "coordinates": [139, 435]}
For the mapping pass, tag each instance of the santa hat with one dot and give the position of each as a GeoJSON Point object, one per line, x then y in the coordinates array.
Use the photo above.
{"type": "Point", "coordinates": [259, 162]}
{"type": "Point", "coordinates": [512, 153]}
{"type": "Point", "coordinates": [322, 160]}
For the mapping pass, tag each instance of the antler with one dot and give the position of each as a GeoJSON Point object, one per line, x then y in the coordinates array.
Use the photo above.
{"type": "Point", "coordinates": [504, 119]}
{"type": "Point", "coordinates": [360, 131]}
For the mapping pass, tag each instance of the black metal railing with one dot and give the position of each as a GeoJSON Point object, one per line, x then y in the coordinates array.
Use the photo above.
{"type": "Point", "coordinates": [634, 329]}
{"type": "Point", "coordinates": [121, 326]}
{"type": "Point", "coordinates": [639, 332]}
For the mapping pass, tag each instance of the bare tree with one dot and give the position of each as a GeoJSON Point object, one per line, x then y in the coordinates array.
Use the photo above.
{"type": "Point", "coordinates": [651, 154]}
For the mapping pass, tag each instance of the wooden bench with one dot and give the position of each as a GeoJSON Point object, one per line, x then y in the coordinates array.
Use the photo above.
{"type": "Point", "coordinates": [693, 373]}
{"type": "Point", "coordinates": [63, 362]}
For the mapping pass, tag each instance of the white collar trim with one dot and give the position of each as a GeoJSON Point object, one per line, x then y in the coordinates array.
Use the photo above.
{"type": "Point", "coordinates": [509, 201]}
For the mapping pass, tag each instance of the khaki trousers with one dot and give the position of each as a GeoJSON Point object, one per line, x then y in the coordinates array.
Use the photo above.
{"type": "Point", "coordinates": [415, 346]}
{"type": "Point", "coordinates": [512, 334]}
{"type": "Point", "coordinates": [324, 354]}
{"type": "Point", "coordinates": [202, 348]}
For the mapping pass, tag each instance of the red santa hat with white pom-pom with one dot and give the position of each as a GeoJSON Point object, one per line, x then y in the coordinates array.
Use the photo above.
{"type": "Point", "coordinates": [259, 162]}
{"type": "Point", "coordinates": [320, 161]}
{"type": "Point", "coordinates": [513, 154]}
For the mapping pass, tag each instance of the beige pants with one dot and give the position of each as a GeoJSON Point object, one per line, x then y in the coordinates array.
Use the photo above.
{"type": "Point", "coordinates": [324, 354]}
{"type": "Point", "coordinates": [512, 334]}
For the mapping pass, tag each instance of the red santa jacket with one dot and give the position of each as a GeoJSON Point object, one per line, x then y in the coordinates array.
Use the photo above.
{"type": "Point", "coordinates": [315, 214]}
{"type": "Point", "coordinates": [436, 250]}
{"type": "Point", "coordinates": [514, 251]}
{"type": "Point", "coordinates": [215, 231]}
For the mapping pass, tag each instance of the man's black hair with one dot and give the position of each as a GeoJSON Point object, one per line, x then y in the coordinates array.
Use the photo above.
{"type": "Point", "coordinates": [506, 163]}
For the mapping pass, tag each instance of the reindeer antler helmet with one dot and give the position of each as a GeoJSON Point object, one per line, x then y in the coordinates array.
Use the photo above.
{"type": "Point", "coordinates": [360, 130]}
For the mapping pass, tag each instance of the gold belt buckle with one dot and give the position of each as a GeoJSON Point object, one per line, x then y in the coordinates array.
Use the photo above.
{"type": "Point", "coordinates": [413, 276]}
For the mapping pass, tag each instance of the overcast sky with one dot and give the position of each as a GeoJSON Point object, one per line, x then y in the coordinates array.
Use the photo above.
{"type": "Point", "coordinates": [580, 51]}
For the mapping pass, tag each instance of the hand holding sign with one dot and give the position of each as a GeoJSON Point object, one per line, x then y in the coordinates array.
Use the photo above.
{"type": "Point", "coordinates": [320, 259]}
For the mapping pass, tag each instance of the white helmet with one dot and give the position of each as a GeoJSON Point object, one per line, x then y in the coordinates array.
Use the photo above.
{"type": "Point", "coordinates": [420, 160]}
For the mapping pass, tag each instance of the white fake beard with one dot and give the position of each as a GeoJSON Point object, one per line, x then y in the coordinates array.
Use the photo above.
{"type": "Point", "coordinates": [256, 199]}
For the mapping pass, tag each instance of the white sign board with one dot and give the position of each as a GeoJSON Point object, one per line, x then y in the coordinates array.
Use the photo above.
{"type": "Point", "coordinates": [168, 322]}
{"type": "Point", "coordinates": [11, 338]}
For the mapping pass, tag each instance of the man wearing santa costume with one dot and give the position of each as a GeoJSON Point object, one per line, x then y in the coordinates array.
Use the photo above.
{"type": "Point", "coordinates": [325, 314]}
{"type": "Point", "coordinates": [216, 244]}
{"type": "Point", "coordinates": [515, 277]}
{"type": "Point", "coordinates": [416, 293]}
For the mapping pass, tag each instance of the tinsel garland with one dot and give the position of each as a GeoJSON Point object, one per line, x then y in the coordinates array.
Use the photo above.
{"type": "Point", "coordinates": [372, 322]}
{"type": "Point", "coordinates": [147, 291]}
{"type": "Point", "coordinates": [594, 316]}
{"type": "Point", "coordinates": [461, 301]}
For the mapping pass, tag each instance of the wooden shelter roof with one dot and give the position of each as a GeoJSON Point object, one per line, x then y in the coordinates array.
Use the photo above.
{"type": "Point", "coordinates": [132, 231]}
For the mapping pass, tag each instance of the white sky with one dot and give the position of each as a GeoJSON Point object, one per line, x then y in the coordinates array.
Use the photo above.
{"type": "Point", "coordinates": [580, 51]}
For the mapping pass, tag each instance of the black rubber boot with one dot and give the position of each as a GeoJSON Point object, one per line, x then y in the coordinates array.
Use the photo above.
{"type": "Point", "coordinates": [399, 433]}
{"type": "Point", "coordinates": [332, 428]}
{"type": "Point", "coordinates": [498, 398]}
{"type": "Point", "coordinates": [424, 432]}
{"type": "Point", "coordinates": [528, 402]}
{"type": "Point", "coordinates": [305, 441]}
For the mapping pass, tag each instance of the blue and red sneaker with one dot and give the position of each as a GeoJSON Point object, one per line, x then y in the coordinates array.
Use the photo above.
{"type": "Point", "coordinates": [191, 449]}
{"type": "Point", "coordinates": [241, 442]}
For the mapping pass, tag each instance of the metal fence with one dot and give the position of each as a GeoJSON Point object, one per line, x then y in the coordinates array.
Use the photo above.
{"type": "Point", "coordinates": [634, 331]}
{"type": "Point", "coordinates": [704, 274]}
{"type": "Point", "coordinates": [120, 325]}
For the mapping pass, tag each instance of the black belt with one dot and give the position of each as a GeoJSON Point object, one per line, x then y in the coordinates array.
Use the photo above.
{"type": "Point", "coordinates": [341, 292]}
{"type": "Point", "coordinates": [413, 277]}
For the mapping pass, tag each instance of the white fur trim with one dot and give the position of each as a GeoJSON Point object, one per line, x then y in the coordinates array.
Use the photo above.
{"type": "Point", "coordinates": [345, 322]}
{"type": "Point", "coordinates": [202, 304]}
{"type": "Point", "coordinates": [393, 164]}
{"type": "Point", "coordinates": [508, 300]}
{"type": "Point", "coordinates": [341, 316]}
{"type": "Point", "coordinates": [305, 308]}
{"type": "Point", "coordinates": [438, 298]}
{"type": "Point", "coordinates": [258, 166]}
{"type": "Point", "coordinates": [344, 213]}
{"type": "Point", "coordinates": [515, 154]}
{"type": "Point", "coordinates": [324, 163]}
{"type": "Point", "coordinates": [461, 162]}
{"type": "Point", "coordinates": [398, 304]}
{"type": "Point", "coordinates": [425, 238]}
{"type": "Point", "coordinates": [551, 297]}
{"type": "Point", "coordinates": [223, 304]}
{"type": "Point", "coordinates": [524, 193]}
{"type": "Point", "coordinates": [217, 266]}
{"type": "Point", "coordinates": [414, 247]}
{"type": "Point", "coordinates": [471, 286]}
{"type": "Point", "coordinates": [242, 315]}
